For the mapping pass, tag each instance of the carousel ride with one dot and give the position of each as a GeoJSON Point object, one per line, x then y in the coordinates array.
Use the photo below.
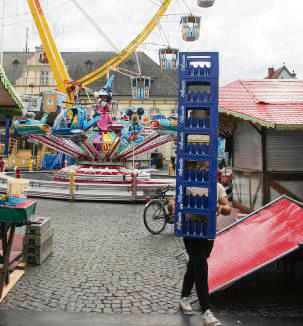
{"type": "Point", "coordinates": [101, 142]}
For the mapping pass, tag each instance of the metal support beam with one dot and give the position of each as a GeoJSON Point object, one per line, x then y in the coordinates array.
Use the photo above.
{"type": "Point", "coordinates": [8, 123]}
{"type": "Point", "coordinates": [266, 186]}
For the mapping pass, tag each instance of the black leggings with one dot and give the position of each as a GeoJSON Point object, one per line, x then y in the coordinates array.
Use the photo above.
{"type": "Point", "coordinates": [197, 269]}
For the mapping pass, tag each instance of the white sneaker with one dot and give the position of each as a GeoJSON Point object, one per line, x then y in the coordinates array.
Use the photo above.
{"type": "Point", "coordinates": [185, 305]}
{"type": "Point", "coordinates": [209, 319]}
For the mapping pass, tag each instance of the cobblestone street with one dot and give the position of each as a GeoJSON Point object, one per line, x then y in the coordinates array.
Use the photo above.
{"type": "Point", "coordinates": [104, 260]}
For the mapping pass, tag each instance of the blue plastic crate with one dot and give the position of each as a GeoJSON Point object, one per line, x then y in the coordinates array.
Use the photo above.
{"type": "Point", "coordinates": [197, 141]}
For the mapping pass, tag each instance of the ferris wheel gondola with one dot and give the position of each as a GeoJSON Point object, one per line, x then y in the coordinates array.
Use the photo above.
{"type": "Point", "coordinates": [168, 58]}
{"type": "Point", "coordinates": [140, 87]}
{"type": "Point", "coordinates": [190, 27]}
{"type": "Point", "coordinates": [205, 3]}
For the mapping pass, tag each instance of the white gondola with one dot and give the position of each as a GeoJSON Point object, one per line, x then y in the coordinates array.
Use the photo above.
{"type": "Point", "coordinates": [168, 58]}
{"type": "Point", "coordinates": [140, 87]}
{"type": "Point", "coordinates": [190, 28]}
{"type": "Point", "coordinates": [205, 3]}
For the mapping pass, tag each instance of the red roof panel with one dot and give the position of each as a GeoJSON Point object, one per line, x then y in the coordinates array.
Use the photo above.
{"type": "Point", "coordinates": [255, 241]}
{"type": "Point", "coordinates": [268, 102]}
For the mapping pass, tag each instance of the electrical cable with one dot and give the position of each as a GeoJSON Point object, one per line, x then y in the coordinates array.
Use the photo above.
{"type": "Point", "coordinates": [28, 12]}
{"type": "Point", "coordinates": [186, 5]}
{"type": "Point", "coordinates": [151, 43]}
{"type": "Point", "coordinates": [178, 14]}
{"type": "Point", "coordinates": [30, 20]}
{"type": "Point", "coordinates": [120, 71]}
{"type": "Point", "coordinates": [86, 91]}
{"type": "Point", "coordinates": [179, 5]}
{"type": "Point", "coordinates": [160, 31]}
{"type": "Point", "coordinates": [129, 71]}
{"type": "Point", "coordinates": [164, 33]}
{"type": "Point", "coordinates": [171, 21]}
{"type": "Point", "coordinates": [155, 3]}
{"type": "Point", "coordinates": [138, 64]}
{"type": "Point", "coordinates": [149, 49]}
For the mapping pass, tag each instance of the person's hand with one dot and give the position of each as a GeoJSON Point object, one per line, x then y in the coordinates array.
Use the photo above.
{"type": "Point", "coordinates": [219, 208]}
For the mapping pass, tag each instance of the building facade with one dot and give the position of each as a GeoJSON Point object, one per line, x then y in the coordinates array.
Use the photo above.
{"type": "Point", "coordinates": [267, 140]}
{"type": "Point", "coordinates": [280, 73]}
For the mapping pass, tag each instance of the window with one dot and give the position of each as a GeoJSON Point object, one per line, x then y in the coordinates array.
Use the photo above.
{"type": "Point", "coordinates": [147, 82]}
{"type": "Point", "coordinates": [89, 65]}
{"type": "Point", "coordinates": [43, 58]}
{"type": "Point", "coordinates": [130, 62]}
{"type": "Point", "coordinates": [44, 78]}
{"type": "Point", "coordinates": [153, 81]}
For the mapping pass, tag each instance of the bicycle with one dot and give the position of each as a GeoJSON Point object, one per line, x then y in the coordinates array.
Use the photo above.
{"type": "Point", "coordinates": [156, 215]}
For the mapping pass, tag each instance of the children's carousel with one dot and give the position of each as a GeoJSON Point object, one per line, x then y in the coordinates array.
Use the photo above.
{"type": "Point", "coordinates": [101, 144]}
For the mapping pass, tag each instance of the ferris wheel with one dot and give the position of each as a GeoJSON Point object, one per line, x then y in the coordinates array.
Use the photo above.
{"type": "Point", "coordinates": [168, 56]}
{"type": "Point", "coordinates": [73, 132]}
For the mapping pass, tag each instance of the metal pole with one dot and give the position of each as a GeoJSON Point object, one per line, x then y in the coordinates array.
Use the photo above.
{"type": "Point", "coordinates": [72, 183]}
{"type": "Point", "coordinates": [2, 33]}
{"type": "Point", "coordinates": [8, 123]}
{"type": "Point", "coordinates": [133, 158]}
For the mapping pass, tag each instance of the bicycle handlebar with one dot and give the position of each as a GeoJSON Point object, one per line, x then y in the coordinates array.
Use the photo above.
{"type": "Point", "coordinates": [167, 188]}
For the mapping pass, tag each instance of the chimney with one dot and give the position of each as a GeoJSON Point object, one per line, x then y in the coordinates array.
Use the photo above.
{"type": "Point", "coordinates": [270, 72]}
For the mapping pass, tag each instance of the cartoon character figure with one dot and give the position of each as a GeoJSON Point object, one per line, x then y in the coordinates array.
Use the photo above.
{"type": "Point", "coordinates": [132, 132]}
{"type": "Point", "coordinates": [71, 118]}
{"type": "Point", "coordinates": [163, 123]}
{"type": "Point", "coordinates": [28, 125]}
{"type": "Point", "coordinates": [104, 105]}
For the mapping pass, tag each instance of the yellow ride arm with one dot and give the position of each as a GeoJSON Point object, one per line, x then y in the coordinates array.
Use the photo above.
{"type": "Point", "coordinates": [53, 55]}
{"type": "Point", "coordinates": [126, 52]}
{"type": "Point", "coordinates": [59, 70]}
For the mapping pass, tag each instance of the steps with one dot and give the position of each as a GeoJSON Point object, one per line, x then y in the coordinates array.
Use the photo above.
{"type": "Point", "coordinates": [38, 241]}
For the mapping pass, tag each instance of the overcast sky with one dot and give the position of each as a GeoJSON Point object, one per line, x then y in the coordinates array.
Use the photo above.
{"type": "Point", "coordinates": [250, 35]}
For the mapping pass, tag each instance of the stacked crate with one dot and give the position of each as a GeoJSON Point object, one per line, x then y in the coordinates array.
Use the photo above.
{"type": "Point", "coordinates": [197, 143]}
{"type": "Point", "coordinates": [38, 240]}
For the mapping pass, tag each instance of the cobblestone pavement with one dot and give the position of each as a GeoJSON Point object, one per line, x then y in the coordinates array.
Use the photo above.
{"type": "Point", "coordinates": [105, 260]}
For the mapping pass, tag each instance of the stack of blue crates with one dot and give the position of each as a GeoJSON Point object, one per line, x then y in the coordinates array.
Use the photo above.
{"type": "Point", "coordinates": [197, 145]}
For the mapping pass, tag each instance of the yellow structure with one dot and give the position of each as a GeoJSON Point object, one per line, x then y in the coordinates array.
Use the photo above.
{"type": "Point", "coordinates": [46, 70]}
{"type": "Point", "coordinates": [72, 183]}
{"type": "Point", "coordinates": [170, 169]}
{"type": "Point", "coordinates": [53, 55]}
{"type": "Point", "coordinates": [64, 82]}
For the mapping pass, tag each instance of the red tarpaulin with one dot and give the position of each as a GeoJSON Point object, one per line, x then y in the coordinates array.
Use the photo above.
{"type": "Point", "coordinates": [259, 239]}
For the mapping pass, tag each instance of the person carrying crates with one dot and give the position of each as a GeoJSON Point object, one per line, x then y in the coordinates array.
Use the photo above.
{"type": "Point", "coordinates": [198, 251]}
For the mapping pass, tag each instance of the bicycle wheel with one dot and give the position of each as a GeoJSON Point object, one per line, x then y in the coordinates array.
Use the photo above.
{"type": "Point", "coordinates": [154, 216]}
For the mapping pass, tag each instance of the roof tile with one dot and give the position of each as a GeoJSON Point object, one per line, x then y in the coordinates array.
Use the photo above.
{"type": "Point", "coordinates": [269, 102]}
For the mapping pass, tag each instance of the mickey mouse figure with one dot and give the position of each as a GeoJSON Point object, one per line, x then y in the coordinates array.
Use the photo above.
{"type": "Point", "coordinates": [134, 128]}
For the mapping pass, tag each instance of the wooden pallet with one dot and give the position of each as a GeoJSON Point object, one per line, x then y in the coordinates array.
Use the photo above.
{"type": "Point", "coordinates": [13, 279]}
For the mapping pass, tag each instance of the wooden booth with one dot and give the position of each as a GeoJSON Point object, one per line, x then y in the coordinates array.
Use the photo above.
{"type": "Point", "coordinates": [267, 139]}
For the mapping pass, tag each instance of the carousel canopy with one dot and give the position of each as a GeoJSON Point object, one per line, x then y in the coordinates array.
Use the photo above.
{"type": "Point", "coordinates": [10, 102]}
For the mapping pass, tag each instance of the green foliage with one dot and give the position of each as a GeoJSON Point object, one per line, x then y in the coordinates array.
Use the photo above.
{"type": "Point", "coordinates": [10, 113]}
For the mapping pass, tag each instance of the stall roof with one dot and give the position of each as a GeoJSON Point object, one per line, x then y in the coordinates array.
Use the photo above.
{"type": "Point", "coordinates": [9, 98]}
{"type": "Point", "coordinates": [257, 240]}
{"type": "Point", "coordinates": [267, 102]}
